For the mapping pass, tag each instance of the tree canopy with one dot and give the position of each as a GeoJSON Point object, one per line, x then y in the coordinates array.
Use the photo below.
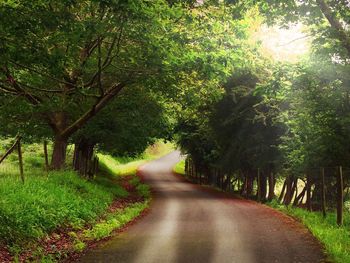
{"type": "Point", "coordinates": [63, 62]}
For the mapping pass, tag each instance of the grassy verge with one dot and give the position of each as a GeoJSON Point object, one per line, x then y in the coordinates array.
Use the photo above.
{"type": "Point", "coordinates": [179, 168]}
{"type": "Point", "coordinates": [30, 211]}
{"type": "Point", "coordinates": [49, 207]}
{"type": "Point", "coordinates": [335, 239]}
{"type": "Point", "coordinates": [115, 220]}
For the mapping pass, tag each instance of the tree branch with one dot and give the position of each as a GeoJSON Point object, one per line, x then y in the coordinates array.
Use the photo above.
{"type": "Point", "coordinates": [31, 98]}
{"type": "Point", "coordinates": [335, 24]}
{"type": "Point", "coordinates": [99, 105]}
{"type": "Point", "coordinates": [8, 90]}
{"type": "Point", "coordinates": [41, 73]}
{"type": "Point", "coordinates": [116, 41]}
{"type": "Point", "coordinates": [99, 81]}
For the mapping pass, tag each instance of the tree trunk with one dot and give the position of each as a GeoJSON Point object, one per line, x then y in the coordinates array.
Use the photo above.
{"type": "Point", "coordinates": [263, 186]}
{"type": "Point", "coordinates": [280, 198]}
{"type": "Point", "coordinates": [272, 183]}
{"type": "Point", "coordinates": [294, 192]}
{"type": "Point", "coordinates": [340, 197]}
{"type": "Point", "coordinates": [250, 184]}
{"type": "Point", "coordinates": [289, 185]}
{"type": "Point", "coordinates": [258, 182]}
{"type": "Point", "coordinates": [299, 198]}
{"type": "Point", "coordinates": [59, 153]}
{"type": "Point", "coordinates": [308, 192]}
{"type": "Point", "coordinates": [83, 157]}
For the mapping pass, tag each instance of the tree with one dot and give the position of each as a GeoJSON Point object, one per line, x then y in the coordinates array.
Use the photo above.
{"type": "Point", "coordinates": [63, 62]}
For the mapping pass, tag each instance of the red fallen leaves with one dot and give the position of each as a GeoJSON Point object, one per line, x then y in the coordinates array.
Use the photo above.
{"type": "Point", "coordinates": [57, 242]}
{"type": "Point", "coordinates": [5, 254]}
{"type": "Point", "coordinates": [125, 183]}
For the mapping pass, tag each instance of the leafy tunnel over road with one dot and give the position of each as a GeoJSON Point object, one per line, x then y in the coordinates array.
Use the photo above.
{"type": "Point", "coordinates": [187, 224]}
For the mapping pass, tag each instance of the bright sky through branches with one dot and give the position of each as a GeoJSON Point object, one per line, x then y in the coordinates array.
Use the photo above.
{"type": "Point", "coordinates": [284, 44]}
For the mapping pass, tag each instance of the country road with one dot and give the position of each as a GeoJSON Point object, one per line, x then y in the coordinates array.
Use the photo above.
{"type": "Point", "coordinates": [188, 224]}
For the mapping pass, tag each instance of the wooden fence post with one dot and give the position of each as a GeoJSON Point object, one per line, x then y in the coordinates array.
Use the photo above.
{"type": "Point", "coordinates": [259, 186]}
{"type": "Point", "coordinates": [271, 186]}
{"type": "Point", "coordinates": [46, 157]}
{"type": "Point", "coordinates": [323, 193]}
{"type": "Point", "coordinates": [222, 180]}
{"type": "Point", "coordinates": [96, 165]}
{"type": "Point", "coordinates": [340, 197]}
{"type": "Point", "coordinates": [20, 159]}
{"type": "Point", "coordinates": [308, 192]}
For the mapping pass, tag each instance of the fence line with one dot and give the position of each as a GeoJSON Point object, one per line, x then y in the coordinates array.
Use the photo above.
{"type": "Point", "coordinates": [317, 189]}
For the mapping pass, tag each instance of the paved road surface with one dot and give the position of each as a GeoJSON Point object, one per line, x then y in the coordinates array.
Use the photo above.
{"type": "Point", "coordinates": [187, 224]}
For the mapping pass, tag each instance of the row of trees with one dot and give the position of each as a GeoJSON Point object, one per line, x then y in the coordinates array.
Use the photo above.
{"type": "Point", "coordinates": [280, 118]}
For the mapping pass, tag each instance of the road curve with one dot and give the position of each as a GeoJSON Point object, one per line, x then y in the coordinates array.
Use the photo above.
{"type": "Point", "coordinates": [188, 224]}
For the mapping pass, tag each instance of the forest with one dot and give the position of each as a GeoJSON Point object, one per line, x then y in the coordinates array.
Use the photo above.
{"type": "Point", "coordinates": [92, 89]}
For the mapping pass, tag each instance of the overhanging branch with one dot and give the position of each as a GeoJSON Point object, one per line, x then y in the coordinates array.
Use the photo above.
{"type": "Point", "coordinates": [101, 103]}
{"type": "Point", "coordinates": [335, 24]}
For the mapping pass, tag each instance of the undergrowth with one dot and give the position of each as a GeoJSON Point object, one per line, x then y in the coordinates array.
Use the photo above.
{"type": "Point", "coordinates": [63, 199]}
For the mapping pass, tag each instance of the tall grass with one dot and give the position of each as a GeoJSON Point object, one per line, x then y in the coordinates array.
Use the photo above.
{"type": "Point", "coordinates": [63, 199]}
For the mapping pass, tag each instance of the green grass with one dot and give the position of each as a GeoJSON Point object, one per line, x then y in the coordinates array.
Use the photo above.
{"type": "Point", "coordinates": [64, 200]}
{"type": "Point", "coordinates": [127, 166]}
{"type": "Point", "coordinates": [179, 168]}
{"type": "Point", "coordinates": [114, 166]}
{"type": "Point", "coordinates": [142, 189]}
{"type": "Point", "coordinates": [33, 159]}
{"type": "Point", "coordinates": [335, 239]}
{"type": "Point", "coordinates": [30, 211]}
{"type": "Point", "coordinates": [116, 220]}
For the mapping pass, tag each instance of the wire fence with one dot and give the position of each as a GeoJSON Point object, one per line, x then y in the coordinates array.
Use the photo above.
{"type": "Point", "coordinates": [322, 189]}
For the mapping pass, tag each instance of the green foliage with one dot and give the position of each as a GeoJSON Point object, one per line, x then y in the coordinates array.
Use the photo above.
{"type": "Point", "coordinates": [62, 63]}
{"type": "Point", "coordinates": [142, 189]}
{"type": "Point", "coordinates": [33, 158]}
{"type": "Point", "coordinates": [113, 166]}
{"type": "Point", "coordinates": [128, 165]}
{"type": "Point", "coordinates": [335, 239]}
{"type": "Point", "coordinates": [179, 168]}
{"type": "Point", "coordinates": [79, 246]}
{"type": "Point", "coordinates": [114, 221]}
{"type": "Point", "coordinates": [311, 102]}
{"type": "Point", "coordinates": [128, 125]}
{"type": "Point", "coordinates": [41, 205]}
{"type": "Point", "coordinates": [327, 22]}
